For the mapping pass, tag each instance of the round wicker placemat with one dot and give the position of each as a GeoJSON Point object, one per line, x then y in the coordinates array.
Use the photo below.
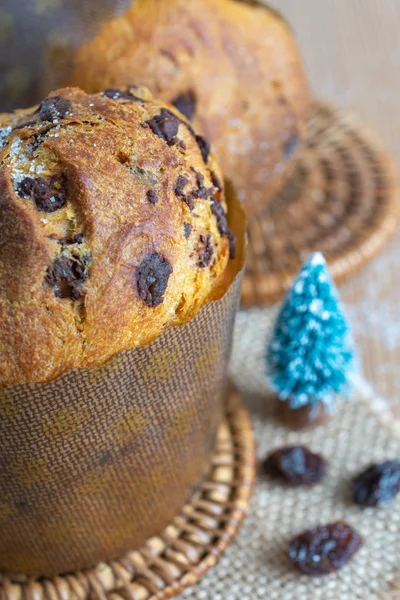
{"type": "Point", "coordinates": [185, 550]}
{"type": "Point", "coordinates": [341, 199]}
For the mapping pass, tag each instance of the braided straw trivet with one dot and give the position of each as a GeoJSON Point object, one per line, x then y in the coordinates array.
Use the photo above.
{"type": "Point", "coordinates": [341, 199]}
{"type": "Point", "coordinates": [186, 549]}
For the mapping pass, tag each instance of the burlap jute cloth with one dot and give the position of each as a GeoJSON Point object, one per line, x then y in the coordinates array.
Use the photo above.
{"type": "Point", "coordinates": [256, 565]}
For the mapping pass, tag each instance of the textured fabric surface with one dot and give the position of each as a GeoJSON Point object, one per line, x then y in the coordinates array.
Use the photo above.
{"type": "Point", "coordinates": [256, 566]}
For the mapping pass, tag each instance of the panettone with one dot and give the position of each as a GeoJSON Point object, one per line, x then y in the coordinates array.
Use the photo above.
{"type": "Point", "coordinates": [232, 67]}
{"type": "Point", "coordinates": [112, 227]}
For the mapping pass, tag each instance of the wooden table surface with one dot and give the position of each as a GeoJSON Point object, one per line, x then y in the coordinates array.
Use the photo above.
{"type": "Point", "coordinates": [351, 49]}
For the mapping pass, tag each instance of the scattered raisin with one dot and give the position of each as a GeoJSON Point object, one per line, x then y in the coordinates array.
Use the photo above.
{"type": "Point", "coordinates": [66, 276]}
{"type": "Point", "coordinates": [377, 485]}
{"type": "Point", "coordinates": [201, 142]}
{"type": "Point", "coordinates": [189, 201]}
{"type": "Point", "coordinates": [295, 465]}
{"type": "Point", "coordinates": [152, 196]}
{"type": "Point", "coordinates": [152, 278]}
{"type": "Point", "coordinates": [54, 108]}
{"type": "Point", "coordinates": [76, 239]}
{"type": "Point", "coordinates": [216, 181]}
{"type": "Point", "coordinates": [204, 147]}
{"type": "Point", "coordinates": [181, 183]}
{"type": "Point", "coordinates": [186, 104]}
{"type": "Point", "coordinates": [324, 549]}
{"type": "Point", "coordinates": [202, 191]}
{"type": "Point", "coordinates": [187, 229]}
{"type": "Point", "coordinates": [290, 146]}
{"type": "Point", "coordinates": [116, 94]}
{"type": "Point", "coordinates": [232, 244]}
{"type": "Point", "coordinates": [23, 125]}
{"type": "Point", "coordinates": [205, 251]}
{"type": "Point", "coordinates": [165, 125]}
{"type": "Point", "coordinates": [219, 213]}
{"type": "Point", "coordinates": [41, 192]}
{"type": "Point", "coordinates": [199, 176]}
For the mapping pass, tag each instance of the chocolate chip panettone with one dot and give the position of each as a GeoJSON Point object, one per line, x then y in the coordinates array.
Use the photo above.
{"type": "Point", "coordinates": [230, 66]}
{"type": "Point", "coordinates": [112, 227]}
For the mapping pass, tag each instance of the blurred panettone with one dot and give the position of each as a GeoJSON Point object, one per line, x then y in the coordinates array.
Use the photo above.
{"type": "Point", "coordinates": [112, 226]}
{"type": "Point", "coordinates": [232, 67]}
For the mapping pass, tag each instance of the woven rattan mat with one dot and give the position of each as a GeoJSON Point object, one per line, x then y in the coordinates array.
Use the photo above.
{"type": "Point", "coordinates": [255, 566]}
{"type": "Point", "coordinates": [340, 199]}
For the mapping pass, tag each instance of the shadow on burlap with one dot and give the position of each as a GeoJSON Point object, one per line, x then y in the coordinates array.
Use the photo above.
{"type": "Point", "coordinates": [256, 566]}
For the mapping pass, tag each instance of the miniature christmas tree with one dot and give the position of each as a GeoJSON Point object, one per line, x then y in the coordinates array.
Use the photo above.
{"type": "Point", "coordinates": [310, 357]}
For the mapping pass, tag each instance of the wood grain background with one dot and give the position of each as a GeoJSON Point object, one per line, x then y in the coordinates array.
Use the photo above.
{"type": "Point", "coordinates": [351, 50]}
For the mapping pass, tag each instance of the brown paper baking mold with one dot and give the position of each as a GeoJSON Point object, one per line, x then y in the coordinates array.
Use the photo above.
{"type": "Point", "coordinates": [188, 547]}
{"type": "Point", "coordinates": [98, 460]}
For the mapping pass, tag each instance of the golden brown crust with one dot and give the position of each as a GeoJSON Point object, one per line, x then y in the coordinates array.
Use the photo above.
{"type": "Point", "coordinates": [234, 65]}
{"type": "Point", "coordinates": [111, 227]}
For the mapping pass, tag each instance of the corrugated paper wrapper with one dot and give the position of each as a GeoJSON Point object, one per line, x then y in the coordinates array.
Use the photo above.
{"type": "Point", "coordinates": [98, 460]}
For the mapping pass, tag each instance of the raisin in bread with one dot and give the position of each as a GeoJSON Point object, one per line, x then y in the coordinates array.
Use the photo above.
{"type": "Point", "coordinates": [232, 67]}
{"type": "Point", "coordinates": [112, 226]}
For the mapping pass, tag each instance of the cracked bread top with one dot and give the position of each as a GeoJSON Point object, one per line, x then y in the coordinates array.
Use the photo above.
{"type": "Point", "coordinates": [112, 227]}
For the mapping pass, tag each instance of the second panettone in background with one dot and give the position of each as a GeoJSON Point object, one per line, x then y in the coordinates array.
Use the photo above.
{"type": "Point", "coordinates": [232, 67]}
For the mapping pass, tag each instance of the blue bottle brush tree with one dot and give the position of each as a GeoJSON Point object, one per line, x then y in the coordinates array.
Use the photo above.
{"type": "Point", "coordinates": [310, 357]}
